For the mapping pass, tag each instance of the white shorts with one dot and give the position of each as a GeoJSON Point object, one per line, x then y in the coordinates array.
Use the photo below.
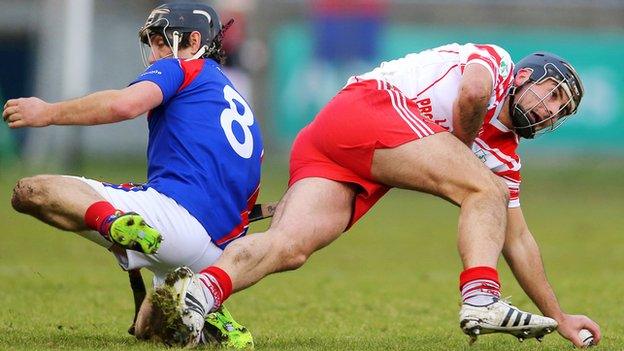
{"type": "Point", "coordinates": [185, 241]}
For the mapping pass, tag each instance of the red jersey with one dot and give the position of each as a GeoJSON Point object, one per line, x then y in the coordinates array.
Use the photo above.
{"type": "Point", "coordinates": [431, 79]}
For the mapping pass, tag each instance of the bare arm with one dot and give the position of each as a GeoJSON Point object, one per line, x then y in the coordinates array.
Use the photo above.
{"type": "Point", "coordinates": [107, 106]}
{"type": "Point", "coordinates": [475, 89]}
{"type": "Point", "coordinates": [524, 259]}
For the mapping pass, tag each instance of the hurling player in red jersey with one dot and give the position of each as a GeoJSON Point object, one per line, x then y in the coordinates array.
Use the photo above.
{"type": "Point", "coordinates": [372, 136]}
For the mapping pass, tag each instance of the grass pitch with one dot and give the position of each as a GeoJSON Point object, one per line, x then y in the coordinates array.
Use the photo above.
{"type": "Point", "coordinates": [388, 284]}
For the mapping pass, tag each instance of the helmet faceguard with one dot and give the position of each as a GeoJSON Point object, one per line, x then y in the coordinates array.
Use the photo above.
{"type": "Point", "coordinates": [543, 67]}
{"type": "Point", "coordinates": [174, 22]}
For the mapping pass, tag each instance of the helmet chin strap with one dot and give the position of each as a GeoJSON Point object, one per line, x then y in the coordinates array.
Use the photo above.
{"type": "Point", "coordinates": [199, 53]}
{"type": "Point", "coordinates": [177, 37]}
{"type": "Point", "coordinates": [176, 42]}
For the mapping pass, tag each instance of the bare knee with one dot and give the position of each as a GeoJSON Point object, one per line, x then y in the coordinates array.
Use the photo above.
{"type": "Point", "coordinates": [283, 254]}
{"type": "Point", "coordinates": [503, 189]}
{"type": "Point", "coordinates": [497, 190]}
{"type": "Point", "coordinates": [29, 194]}
{"type": "Point", "coordinates": [292, 256]}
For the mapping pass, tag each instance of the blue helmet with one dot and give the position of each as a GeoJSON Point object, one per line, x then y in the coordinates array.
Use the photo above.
{"type": "Point", "coordinates": [543, 66]}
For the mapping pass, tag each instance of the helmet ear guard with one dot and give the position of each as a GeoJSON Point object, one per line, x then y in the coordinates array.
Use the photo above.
{"type": "Point", "coordinates": [543, 66]}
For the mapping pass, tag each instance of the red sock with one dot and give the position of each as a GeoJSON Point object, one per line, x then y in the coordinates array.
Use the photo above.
{"type": "Point", "coordinates": [477, 281]}
{"type": "Point", "coordinates": [98, 217]}
{"type": "Point", "coordinates": [218, 282]}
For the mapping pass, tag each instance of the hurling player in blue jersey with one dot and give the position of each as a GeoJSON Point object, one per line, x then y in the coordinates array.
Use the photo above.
{"type": "Point", "coordinates": [204, 154]}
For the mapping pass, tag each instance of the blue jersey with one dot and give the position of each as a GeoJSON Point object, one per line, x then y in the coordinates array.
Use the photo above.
{"type": "Point", "coordinates": [205, 147]}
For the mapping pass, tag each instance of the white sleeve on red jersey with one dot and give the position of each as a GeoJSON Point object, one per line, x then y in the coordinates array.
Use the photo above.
{"type": "Point", "coordinates": [512, 179]}
{"type": "Point", "coordinates": [494, 58]}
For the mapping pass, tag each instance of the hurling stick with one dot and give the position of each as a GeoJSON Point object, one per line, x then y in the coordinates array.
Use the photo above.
{"type": "Point", "coordinates": [262, 211]}
{"type": "Point", "coordinates": [138, 292]}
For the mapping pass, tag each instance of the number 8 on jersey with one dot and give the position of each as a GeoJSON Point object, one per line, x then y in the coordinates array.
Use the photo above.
{"type": "Point", "coordinates": [245, 120]}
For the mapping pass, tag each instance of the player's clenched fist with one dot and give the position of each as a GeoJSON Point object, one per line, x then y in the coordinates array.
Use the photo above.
{"type": "Point", "coordinates": [27, 112]}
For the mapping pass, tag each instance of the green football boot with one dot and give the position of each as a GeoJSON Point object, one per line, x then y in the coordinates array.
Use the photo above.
{"type": "Point", "coordinates": [130, 231]}
{"type": "Point", "coordinates": [221, 328]}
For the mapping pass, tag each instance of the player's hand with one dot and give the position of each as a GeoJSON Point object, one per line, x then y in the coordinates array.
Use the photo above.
{"type": "Point", "coordinates": [570, 326]}
{"type": "Point", "coordinates": [27, 112]}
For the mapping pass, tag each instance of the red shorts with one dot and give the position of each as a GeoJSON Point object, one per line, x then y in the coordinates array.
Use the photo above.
{"type": "Point", "coordinates": [340, 142]}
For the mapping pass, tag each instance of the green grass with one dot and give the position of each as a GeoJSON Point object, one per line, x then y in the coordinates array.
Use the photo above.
{"type": "Point", "coordinates": [388, 284]}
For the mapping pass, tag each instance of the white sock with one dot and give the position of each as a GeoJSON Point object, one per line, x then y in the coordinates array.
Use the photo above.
{"type": "Point", "coordinates": [480, 292]}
